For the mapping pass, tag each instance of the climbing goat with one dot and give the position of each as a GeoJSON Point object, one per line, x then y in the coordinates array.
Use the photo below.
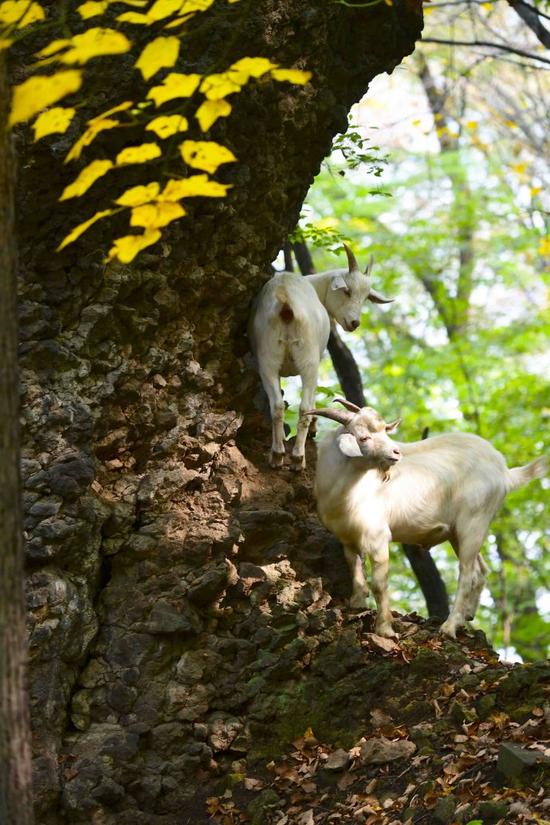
{"type": "Point", "coordinates": [371, 490]}
{"type": "Point", "coordinates": [289, 330]}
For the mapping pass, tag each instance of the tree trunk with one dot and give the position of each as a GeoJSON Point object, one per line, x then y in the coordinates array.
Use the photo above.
{"type": "Point", "coordinates": [15, 750]}
{"type": "Point", "coordinates": [169, 566]}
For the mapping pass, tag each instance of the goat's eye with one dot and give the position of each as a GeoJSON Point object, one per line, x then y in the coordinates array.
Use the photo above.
{"type": "Point", "coordinates": [365, 438]}
{"type": "Point", "coordinates": [347, 292]}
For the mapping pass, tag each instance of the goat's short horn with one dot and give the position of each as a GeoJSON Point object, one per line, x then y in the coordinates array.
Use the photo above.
{"type": "Point", "coordinates": [368, 270]}
{"type": "Point", "coordinates": [341, 416]}
{"type": "Point", "coordinates": [349, 405]}
{"type": "Point", "coordinates": [352, 263]}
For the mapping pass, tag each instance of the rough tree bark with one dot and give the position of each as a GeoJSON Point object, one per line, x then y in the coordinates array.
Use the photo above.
{"type": "Point", "coordinates": [15, 748]}
{"type": "Point", "coordinates": [167, 563]}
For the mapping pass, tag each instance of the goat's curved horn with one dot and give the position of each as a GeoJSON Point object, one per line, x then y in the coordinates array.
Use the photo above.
{"type": "Point", "coordinates": [352, 263]}
{"type": "Point", "coordinates": [368, 270]}
{"type": "Point", "coordinates": [341, 416]}
{"type": "Point", "coordinates": [349, 405]}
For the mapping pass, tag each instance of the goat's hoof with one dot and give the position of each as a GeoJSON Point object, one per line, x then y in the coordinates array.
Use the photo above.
{"type": "Point", "coordinates": [277, 460]}
{"type": "Point", "coordinates": [298, 463]}
{"type": "Point", "coordinates": [448, 629]}
{"type": "Point", "coordinates": [358, 602]}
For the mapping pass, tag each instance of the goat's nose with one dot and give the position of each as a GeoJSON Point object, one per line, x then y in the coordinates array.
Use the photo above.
{"type": "Point", "coordinates": [354, 324]}
{"type": "Point", "coordinates": [396, 452]}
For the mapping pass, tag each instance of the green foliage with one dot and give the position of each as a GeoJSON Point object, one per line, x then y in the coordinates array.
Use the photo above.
{"type": "Point", "coordinates": [462, 348]}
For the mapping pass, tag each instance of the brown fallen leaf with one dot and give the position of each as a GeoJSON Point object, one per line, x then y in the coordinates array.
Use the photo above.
{"type": "Point", "coordinates": [382, 643]}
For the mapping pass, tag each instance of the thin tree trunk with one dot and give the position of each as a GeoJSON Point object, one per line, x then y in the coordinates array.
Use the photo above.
{"type": "Point", "coordinates": [530, 16]}
{"type": "Point", "coordinates": [15, 751]}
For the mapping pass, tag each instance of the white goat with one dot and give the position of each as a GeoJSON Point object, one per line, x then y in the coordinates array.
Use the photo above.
{"type": "Point", "coordinates": [371, 490]}
{"type": "Point", "coordinates": [289, 330]}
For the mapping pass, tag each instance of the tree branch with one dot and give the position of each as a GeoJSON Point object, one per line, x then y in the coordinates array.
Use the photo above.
{"type": "Point", "coordinates": [486, 44]}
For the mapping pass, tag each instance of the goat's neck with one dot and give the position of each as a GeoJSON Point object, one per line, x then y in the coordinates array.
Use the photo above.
{"type": "Point", "coordinates": [320, 281]}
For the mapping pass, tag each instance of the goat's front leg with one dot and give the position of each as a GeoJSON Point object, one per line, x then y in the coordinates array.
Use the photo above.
{"type": "Point", "coordinates": [379, 556]}
{"type": "Point", "coordinates": [272, 387]}
{"type": "Point", "coordinates": [309, 385]}
{"type": "Point", "coordinates": [360, 591]}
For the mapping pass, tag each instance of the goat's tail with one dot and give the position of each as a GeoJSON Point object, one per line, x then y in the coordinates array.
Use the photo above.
{"type": "Point", "coordinates": [518, 476]}
{"type": "Point", "coordinates": [286, 313]}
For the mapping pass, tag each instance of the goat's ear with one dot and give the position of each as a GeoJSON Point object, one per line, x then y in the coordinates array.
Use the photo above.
{"type": "Point", "coordinates": [338, 282]}
{"type": "Point", "coordinates": [347, 444]}
{"type": "Point", "coordinates": [378, 298]}
{"type": "Point", "coordinates": [393, 426]}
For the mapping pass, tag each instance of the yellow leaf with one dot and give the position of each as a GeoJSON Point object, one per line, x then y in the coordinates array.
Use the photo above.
{"type": "Point", "coordinates": [544, 246]}
{"type": "Point", "coordinates": [96, 42]}
{"type": "Point", "coordinates": [5, 43]}
{"type": "Point", "coordinates": [39, 92]}
{"type": "Point", "coordinates": [209, 111]}
{"type": "Point", "coordinates": [125, 249]}
{"type": "Point", "coordinates": [520, 169]}
{"type": "Point", "coordinates": [138, 195]}
{"type": "Point", "coordinates": [472, 125]}
{"type": "Point", "coordinates": [155, 215]}
{"type": "Point", "coordinates": [185, 9]}
{"type": "Point", "coordinates": [217, 86]}
{"type": "Point", "coordinates": [206, 155]}
{"type": "Point", "coordinates": [162, 9]}
{"type": "Point", "coordinates": [93, 8]}
{"type": "Point", "coordinates": [120, 107]}
{"type": "Point", "coordinates": [138, 154]}
{"type": "Point", "coordinates": [53, 120]}
{"type": "Point", "coordinates": [81, 228]}
{"type": "Point", "coordinates": [174, 85]}
{"type": "Point", "coordinates": [253, 66]}
{"type": "Point", "coordinates": [535, 190]}
{"type": "Point", "coordinates": [166, 125]}
{"type": "Point", "coordinates": [20, 13]}
{"type": "Point", "coordinates": [192, 187]}
{"type": "Point", "coordinates": [160, 53]}
{"type": "Point", "coordinates": [93, 130]}
{"type": "Point", "coordinates": [134, 17]}
{"type": "Point", "coordinates": [292, 75]}
{"type": "Point", "coordinates": [53, 47]}
{"type": "Point", "coordinates": [87, 177]}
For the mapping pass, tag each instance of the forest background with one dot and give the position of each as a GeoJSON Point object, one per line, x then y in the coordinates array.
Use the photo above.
{"type": "Point", "coordinates": [443, 177]}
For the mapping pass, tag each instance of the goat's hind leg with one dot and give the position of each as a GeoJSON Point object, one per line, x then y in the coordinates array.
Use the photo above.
{"type": "Point", "coordinates": [309, 385]}
{"type": "Point", "coordinates": [272, 387]}
{"type": "Point", "coordinates": [470, 582]}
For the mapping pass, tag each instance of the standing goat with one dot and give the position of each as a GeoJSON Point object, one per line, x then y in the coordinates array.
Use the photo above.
{"type": "Point", "coordinates": [371, 490]}
{"type": "Point", "coordinates": [289, 330]}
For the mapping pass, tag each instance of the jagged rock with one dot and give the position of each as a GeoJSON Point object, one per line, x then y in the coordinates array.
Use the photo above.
{"type": "Point", "coordinates": [490, 811]}
{"type": "Point", "coordinates": [337, 761]}
{"type": "Point", "coordinates": [381, 750]}
{"type": "Point", "coordinates": [513, 760]}
{"type": "Point", "coordinates": [444, 810]}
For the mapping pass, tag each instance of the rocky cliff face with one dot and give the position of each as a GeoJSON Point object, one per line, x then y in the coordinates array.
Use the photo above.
{"type": "Point", "coordinates": [171, 574]}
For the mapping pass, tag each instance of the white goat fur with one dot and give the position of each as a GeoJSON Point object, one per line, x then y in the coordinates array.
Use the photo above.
{"type": "Point", "coordinates": [289, 330]}
{"type": "Point", "coordinates": [371, 490]}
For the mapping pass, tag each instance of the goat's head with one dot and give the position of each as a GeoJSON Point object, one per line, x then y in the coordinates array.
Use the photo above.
{"type": "Point", "coordinates": [349, 291]}
{"type": "Point", "coordinates": [365, 435]}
